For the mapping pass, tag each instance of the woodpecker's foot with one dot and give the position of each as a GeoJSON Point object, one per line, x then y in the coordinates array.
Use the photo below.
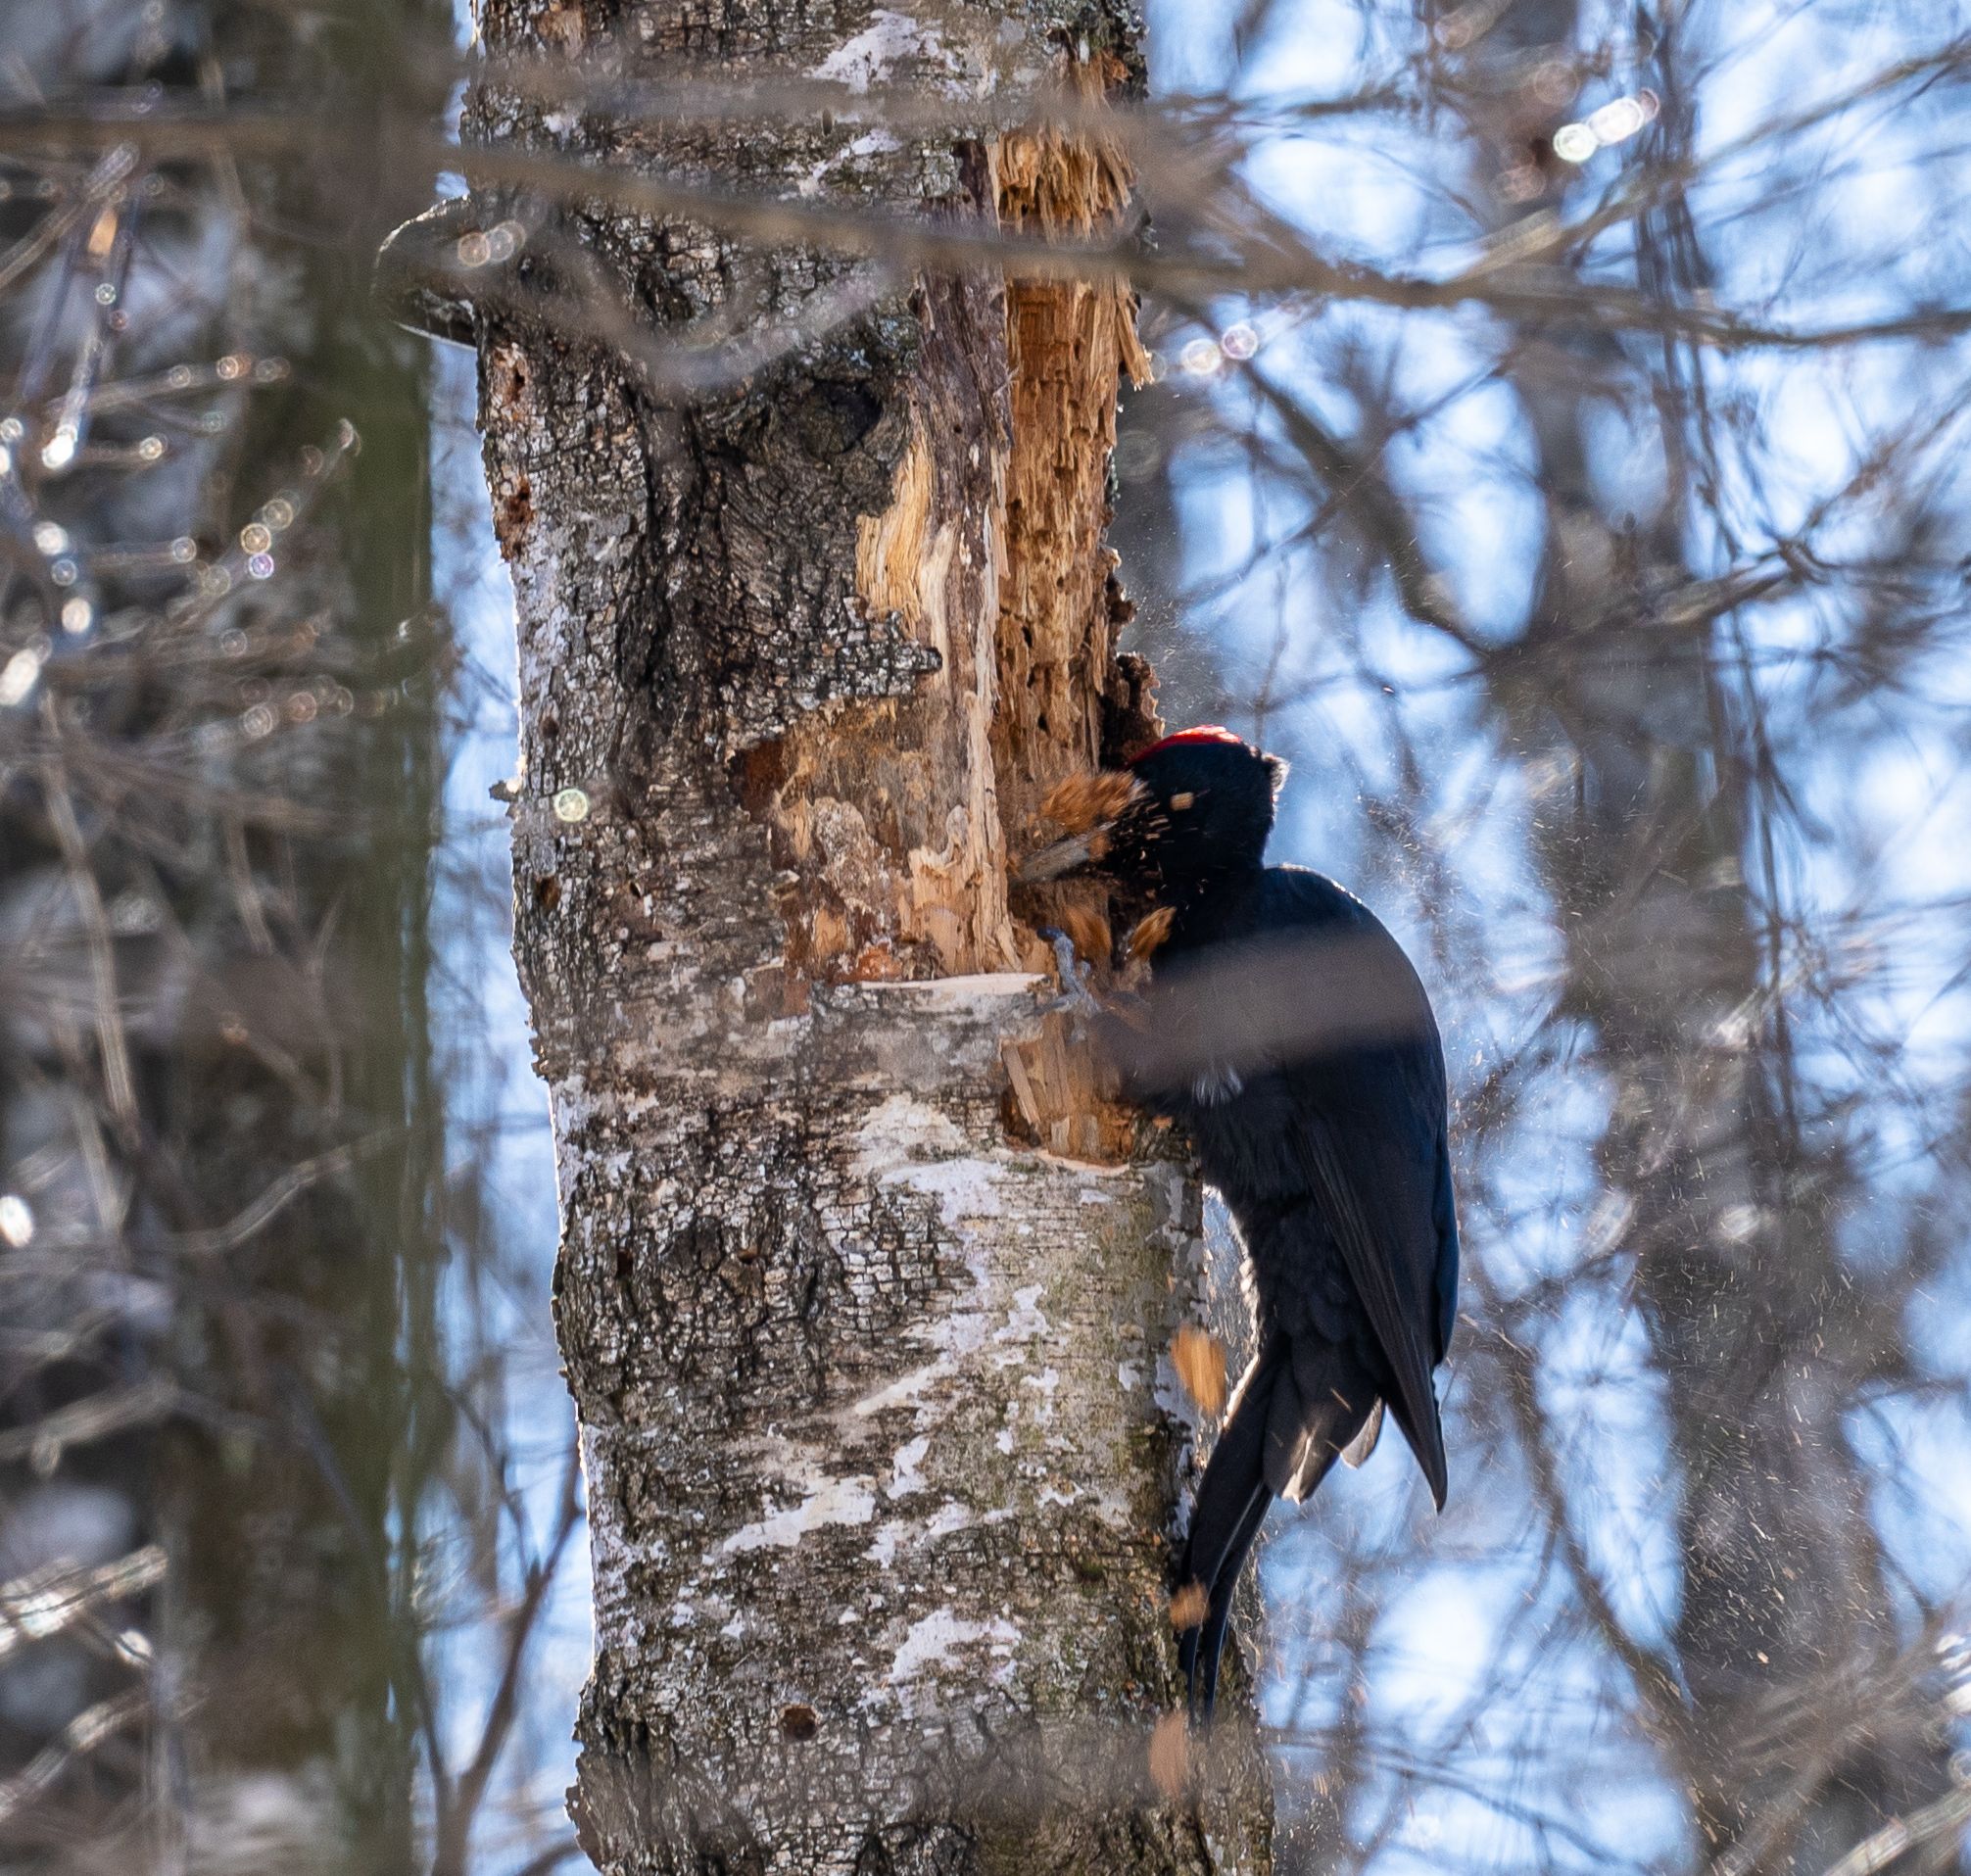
{"type": "Point", "coordinates": [1075, 998]}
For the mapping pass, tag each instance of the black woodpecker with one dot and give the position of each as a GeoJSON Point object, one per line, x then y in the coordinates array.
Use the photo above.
{"type": "Point", "coordinates": [1287, 1028]}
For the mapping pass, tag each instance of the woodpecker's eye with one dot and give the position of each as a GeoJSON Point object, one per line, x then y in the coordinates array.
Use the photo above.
{"type": "Point", "coordinates": [1183, 801]}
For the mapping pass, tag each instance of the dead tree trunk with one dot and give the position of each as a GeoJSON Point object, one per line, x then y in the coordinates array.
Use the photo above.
{"type": "Point", "coordinates": [864, 1296]}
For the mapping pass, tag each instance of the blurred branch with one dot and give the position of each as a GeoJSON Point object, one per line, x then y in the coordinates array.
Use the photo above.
{"type": "Point", "coordinates": [275, 1198]}
{"type": "Point", "coordinates": [81, 1737]}
{"type": "Point", "coordinates": [1949, 1817]}
{"type": "Point", "coordinates": [32, 1609]}
{"type": "Point", "coordinates": [42, 1442]}
{"type": "Point", "coordinates": [460, 1800]}
{"type": "Point", "coordinates": [117, 1087]}
{"type": "Point", "coordinates": [1556, 297]}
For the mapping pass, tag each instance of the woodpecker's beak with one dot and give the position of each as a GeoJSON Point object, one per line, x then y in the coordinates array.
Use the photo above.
{"type": "Point", "coordinates": [1063, 857]}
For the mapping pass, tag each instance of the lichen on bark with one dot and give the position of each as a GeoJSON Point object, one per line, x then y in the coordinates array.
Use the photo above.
{"type": "Point", "coordinates": [881, 1436]}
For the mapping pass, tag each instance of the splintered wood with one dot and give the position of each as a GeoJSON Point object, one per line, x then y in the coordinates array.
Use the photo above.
{"type": "Point", "coordinates": [884, 814]}
{"type": "Point", "coordinates": [1069, 344]}
{"type": "Point", "coordinates": [895, 818]}
{"type": "Point", "coordinates": [1058, 1100]}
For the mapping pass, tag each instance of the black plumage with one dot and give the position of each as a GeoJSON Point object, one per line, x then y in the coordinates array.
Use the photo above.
{"type": "Point", "coordinates": [1286, 1026]}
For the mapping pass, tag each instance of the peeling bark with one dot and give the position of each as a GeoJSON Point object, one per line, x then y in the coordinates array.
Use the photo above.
{"type": "Point", "coordinates": [865, 1295]}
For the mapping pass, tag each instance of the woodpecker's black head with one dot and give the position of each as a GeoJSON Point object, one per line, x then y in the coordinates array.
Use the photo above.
{"type": "Point", "coordinates": [1193, 806]}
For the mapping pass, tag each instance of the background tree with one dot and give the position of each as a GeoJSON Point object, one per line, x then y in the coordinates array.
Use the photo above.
{"type": "Point", "coordinates": [229, 1411]}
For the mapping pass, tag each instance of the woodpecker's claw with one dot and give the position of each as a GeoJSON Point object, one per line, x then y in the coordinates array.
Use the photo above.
{"type": "Point", "coordinates": [1075, 998]}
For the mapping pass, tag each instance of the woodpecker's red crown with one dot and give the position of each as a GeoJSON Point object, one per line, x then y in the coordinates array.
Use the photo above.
{"type": "Point", "coordinates": [1197, 733]}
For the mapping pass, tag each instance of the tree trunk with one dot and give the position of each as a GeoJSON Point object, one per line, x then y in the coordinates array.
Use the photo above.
{"type": "Point", "coordinates": [1784, 1704]}
{"type": "Point", "coordinates": [864, 1293]}
{"type": "Point", "coordinates": [1789, 1711]}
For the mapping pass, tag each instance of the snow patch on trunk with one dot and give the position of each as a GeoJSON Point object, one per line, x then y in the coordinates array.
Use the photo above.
{"type": "Point", "coordinates": [835, 1501]}
{"type": "Point", "coordinates": [936, 1637]}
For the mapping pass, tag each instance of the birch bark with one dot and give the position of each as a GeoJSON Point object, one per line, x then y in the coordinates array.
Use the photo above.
{"type": "Point", "coordinates": [864, 1294]}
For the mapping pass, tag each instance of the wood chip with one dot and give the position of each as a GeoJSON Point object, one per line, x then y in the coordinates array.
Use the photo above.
{"type": "Point", "coordinates": [1188, 1607]}
{"type": "Point", "coordinates": [1148, 934]}
{"type": "Point", "coordinates": [1088, 931]}
{"type": "Point", "coordinates": [1200, 1362]}
{"type": "Point", "coordinates": [1083, 801]}
{"type": "Point", "coordinates": [1170, 1754]}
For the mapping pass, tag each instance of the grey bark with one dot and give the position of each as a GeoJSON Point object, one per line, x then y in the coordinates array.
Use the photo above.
{"type": "Point", "coordinates": [864, 1295]}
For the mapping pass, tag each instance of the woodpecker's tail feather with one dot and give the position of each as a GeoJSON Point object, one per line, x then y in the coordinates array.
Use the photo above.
{"type": "Point", "coordinates": [1359, 1449]}
{"type": "Point", "coordinates": [1199, 1649]}
{"type": "Point", "coordinates": [1297, 1406]}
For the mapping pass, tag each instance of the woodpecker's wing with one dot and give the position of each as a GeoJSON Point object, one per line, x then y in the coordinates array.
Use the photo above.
{"type": "Point", "coordinates": [1340, 1097]}
{"type": "Point", "coordinates": [1381, 1214]}
{"type": "Point", "coordinates": [1369, 1114]}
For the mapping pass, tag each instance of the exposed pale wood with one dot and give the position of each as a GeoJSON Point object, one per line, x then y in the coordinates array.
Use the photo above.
{"type": "Point", "coordinates": [1064, 697]}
